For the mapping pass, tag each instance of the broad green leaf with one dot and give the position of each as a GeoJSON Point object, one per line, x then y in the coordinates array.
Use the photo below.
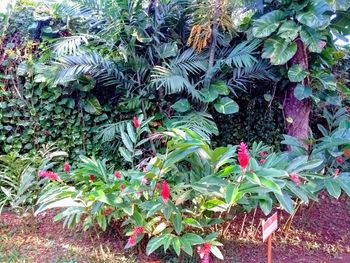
{"type": "Point", "coordinates": [181, 105]}
{"type": "Point", "coordinates": [193, 239]}
{"type": "Point", "coordinates": [186, 246]}
{"type": "Point", "coordinates": [312, 39]}
{"type": "Point", "coordinates": [192, 222]}
{"type": "Point", "coordinates": [126, 141]}
{"type": "Point", "coordinates": [177, 222]}
{"type": "Point", "coordinates": [289, 30]}
{"type": "Point", "coordinates": [131, 132]}
{"type": "Point", "coordinates": [266, 205]}
{"type": "Point", "coordinates": [328, 81]}
{"type": "Point", "coordinates": [220, 87]}
{"type": "Point", "coordinates": [302, 92]}
{"type": "Point", "coordinates": [270, 185]}
{"type": "Point", "coordinates": [210, 204]}
{"type": "Point", "coordinates": [314, 16]}
{"type": "Point", "coordinates": [296, 73]}
{"type": "Point", "coordinates": [298, 192]}
{"type": "Point", "coordinates": [167, 50]}
{"type": "Point", "coordinates": [333, 188]}
{"type": "Point", "coordinates": [231, 194]}
{"type": "Point", "coordinates": [126, 155]}
{"type": "Point", "coordinates": [285, 201]}
{"type": "Point", "coordinates": [155, 243]}
{"type": "Point", "coordinates": [176, 245]}
{"type": "Point", "coordinates": [279, 50]}
{"type": "Point", "coordinates": [267, 24]}
{"type": "Point", "coordinates": [226, 105]}
{"type": "Point", "coordinates": [92, 105]}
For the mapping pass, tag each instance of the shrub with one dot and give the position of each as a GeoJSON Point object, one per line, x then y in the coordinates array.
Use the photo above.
{"type": "Point", "coordinates": [175, 200]}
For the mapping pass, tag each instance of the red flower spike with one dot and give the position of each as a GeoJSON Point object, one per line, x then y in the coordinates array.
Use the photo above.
{"type": "Point", "coordinates": [118, 174]}
{"type": "Point", "coordinates": [262, 161]}
{"type": "Point", "coordinates": [132, 239]}
{"type": "Point", "coordinates": [66, 167]}
{"type": "Point", "coordinates": [251, 171]}
{"type": "Point", "coordinates": [158, 185]}
{"type": "Point", "coordinates": [122, 187]}
{"type": "Point", "coordinates": [165, 192]}
{"type": "Point", "coordinates": [92, 177]}
{"type": "Point", "coordinates": [49, 174]}
{"type": "Point", "coordinates": [339, 160]}
{"type": "Point", "coordinates": [204, 252]}
{"type": "Point", "coordinates": [136, 122]}
{"type": "Point", "coordinates": [336, 172]}
{"type": "Point", "coordinates": [243, 156]}
{"type": "Point", "coordinates": [295, 178]}
{"type": "Point", "coordinates": [138, 230]}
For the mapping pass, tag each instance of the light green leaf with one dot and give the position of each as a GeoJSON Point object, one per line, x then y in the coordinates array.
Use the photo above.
{"type": "Point", "coordinates": [296, 73]}
{"type": "Point", "coordinates": [226, 105]}
{"type": "Point", "coordinates": [267, 24]}
{"type": "Point", "coordinates": [333, 188]}
{"type": "Point", "coordinates": [302, 92]}
{"type": "Point", "coordinates": [216, 252]}
{"type": "Point", "coordinates": [289, 30]}
{"type": "Point", "coordinates": [181, 105]}
{"type": "Point", "coordinates": [155, 243]}
{"type": "Point", "coordinates": [92, 105]}
{"type": "Point", "coordinates": [278, 50]}
{"type": "Point", "coordinates": [285, 201]}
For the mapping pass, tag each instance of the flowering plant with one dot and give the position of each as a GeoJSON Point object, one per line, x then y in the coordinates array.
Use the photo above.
{"type": "Point", "coordinates": [176, 199]}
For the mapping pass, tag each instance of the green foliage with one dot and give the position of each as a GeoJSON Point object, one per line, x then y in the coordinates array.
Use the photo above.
{"type": "Point", "coordinates": [205, 185]}
{"type": "Point", "coordinates": [19, 182]}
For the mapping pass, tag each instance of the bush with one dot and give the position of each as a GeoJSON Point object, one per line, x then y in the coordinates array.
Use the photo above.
{"type": "Point", "coordinates": [175, 200]}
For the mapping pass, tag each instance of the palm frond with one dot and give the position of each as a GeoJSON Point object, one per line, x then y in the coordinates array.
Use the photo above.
{"type": "Point", "coordinates": [199, 122]}
{"type": "Point", "coordinates": [72, 66]}
{"type": "Point", "coordinates": [175, 75]}
{"type": "Point", "coordinates": [258, 71]}
{"type": "Point", "coordinates": [110, 132]}
{"type": "Point", "coordinates": [69, 45]}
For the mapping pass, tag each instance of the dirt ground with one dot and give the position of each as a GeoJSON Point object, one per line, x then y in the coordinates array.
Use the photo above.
{"type": "Point", "coordinates": [319, 233]}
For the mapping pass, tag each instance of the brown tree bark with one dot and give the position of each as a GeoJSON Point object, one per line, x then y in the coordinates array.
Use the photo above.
{"type": "Point", "coordinates": [297, 112]}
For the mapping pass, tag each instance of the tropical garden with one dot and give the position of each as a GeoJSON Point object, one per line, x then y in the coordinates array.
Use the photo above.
{"type": "Point", "coordinates": [165, 131]}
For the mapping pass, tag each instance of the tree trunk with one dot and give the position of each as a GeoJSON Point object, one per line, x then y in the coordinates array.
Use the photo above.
{"type": "Point", "coordinates": [297, 112]}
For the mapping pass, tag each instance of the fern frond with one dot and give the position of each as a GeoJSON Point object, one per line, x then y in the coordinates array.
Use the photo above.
{"type": "Point", "coordinates": [110, 132]}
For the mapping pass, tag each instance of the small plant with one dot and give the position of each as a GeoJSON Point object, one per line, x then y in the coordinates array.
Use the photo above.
{"type": "Point", "coordinates": [19, 183]}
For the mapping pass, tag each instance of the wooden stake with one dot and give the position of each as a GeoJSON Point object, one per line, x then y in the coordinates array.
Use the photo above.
{"type": "Point", "coordinates": [269, 249]}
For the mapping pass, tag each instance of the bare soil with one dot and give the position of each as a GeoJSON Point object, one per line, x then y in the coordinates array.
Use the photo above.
{"type": "Point", "coordinates": [319, 233]}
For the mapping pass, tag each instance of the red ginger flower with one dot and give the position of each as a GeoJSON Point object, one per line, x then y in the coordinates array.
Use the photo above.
{"type": "Point", "coordinates": [243, 156]}
{"type": "Point", "coordinates": [136, 122]}
{"type": "Point", "coordinates": [138, 230]}
{"type": "Point", "coordinates": [122, 187]}
{"type": "Point", "coordinates": [165, 192]}
{"type": "Point", "coordinates": [204, 252]}
{"type": "Point", "coordinates": [66, 167]}
{"type": "Point", "coordinates": [339, 160]}
{"type": "Point", "coordinates": [295, 178]}
{"type": "Point", "coordinates": [49, 174]}
{"type": "Point", "coordinates": [118, 174]}
{"type": "Point", "coordinates": [336, 172]}
{"type": "Point", "coordinates": [92, 177]}
{"type": "Point", "coordinates": [262, 161]}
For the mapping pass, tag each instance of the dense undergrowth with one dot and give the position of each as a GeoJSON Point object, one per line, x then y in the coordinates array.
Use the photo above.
{"type": "Point", "coordinates": [169, 117]}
